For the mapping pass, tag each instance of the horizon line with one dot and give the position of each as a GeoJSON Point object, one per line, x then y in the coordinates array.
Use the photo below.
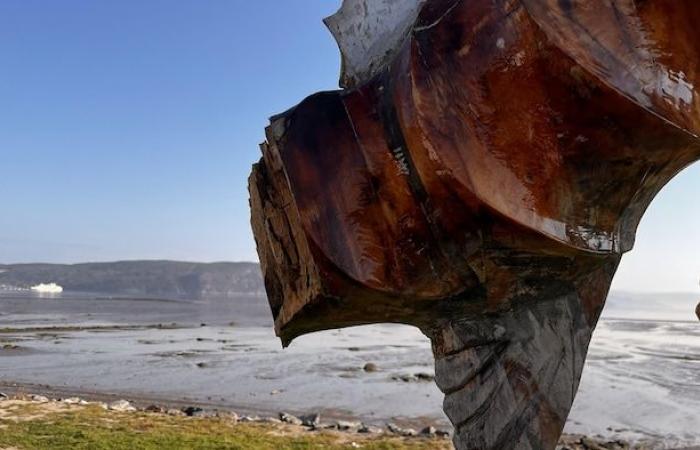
{"type": "Point", "coordinates": [127, 261]}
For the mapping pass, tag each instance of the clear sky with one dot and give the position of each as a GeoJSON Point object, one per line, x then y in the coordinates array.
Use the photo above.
{"type": "Point", "coordinates": [127, 131]}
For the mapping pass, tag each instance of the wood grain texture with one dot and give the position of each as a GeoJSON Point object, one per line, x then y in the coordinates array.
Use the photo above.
{"type": "Point", "coordinates": [510, 379]}
{"type": "Point", "coordinates": [488, 178]}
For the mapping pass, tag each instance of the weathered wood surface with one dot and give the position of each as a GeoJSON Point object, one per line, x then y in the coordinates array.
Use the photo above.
{"type": "Point", "coordinates": [510, 379]}
{"type": "Point", "coordinates": [482, 184]}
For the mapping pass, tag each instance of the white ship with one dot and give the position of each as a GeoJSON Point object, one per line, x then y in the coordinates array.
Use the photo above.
{"type": "Point", "coordinates": [50, 288]}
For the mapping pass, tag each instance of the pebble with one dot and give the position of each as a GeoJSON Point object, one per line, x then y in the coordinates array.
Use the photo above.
{"type": "Point", "coordinates": [344, 425]}
{"type": "Point", "coordinates": [288, 418]}
{"type": "Point", "coordinates": [311, 420]}
{"type": "Point", "coordinates": [408, 378]}
{"type": "Point", "coordinates": [155, 409]}
{"type": "Point", "coordinates": [39, 399]}
{"type": "Point", "coordinates": [405, 378]}
{"type": "Point", "coordinates": [369, 429]}
{"type": "Point", "coordinates": [425, 376]}
{"type": "Point", "coordinates": [428, 431]}
{"type": "Point", "coordinates": [401, 431]}
{"type": "Point", "coordinates": [587, 443]}
{"type": "Point", "coordinates": [193, 411]}
{"type": "Point", "coordinates": [370, 367]}
{"type": "Point", "coordinates": [121, 406]}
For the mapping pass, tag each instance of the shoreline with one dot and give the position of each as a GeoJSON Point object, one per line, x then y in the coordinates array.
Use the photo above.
{"type": "Point", "coordinates": [46, 400]}
{"type": "Point", "coordinates": [179, 355]}
{"type": "Point", "coordinates": [37, 422]}
{"type": "Point", "coordinates": [141, 401]}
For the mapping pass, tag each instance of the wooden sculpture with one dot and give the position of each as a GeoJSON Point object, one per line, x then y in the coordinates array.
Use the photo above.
{"type": "Point", "coordinates": [479, 176]}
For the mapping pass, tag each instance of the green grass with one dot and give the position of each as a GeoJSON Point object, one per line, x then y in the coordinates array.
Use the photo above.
{"type": "Point", "coordinates": [95, 429]}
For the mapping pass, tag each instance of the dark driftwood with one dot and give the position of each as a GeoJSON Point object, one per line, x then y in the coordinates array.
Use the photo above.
{"type": "Point", "coordinates": [481, 180]}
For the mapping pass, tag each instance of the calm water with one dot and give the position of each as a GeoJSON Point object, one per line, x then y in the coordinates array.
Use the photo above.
{"type": "Point", "coordinates": [642, 378]}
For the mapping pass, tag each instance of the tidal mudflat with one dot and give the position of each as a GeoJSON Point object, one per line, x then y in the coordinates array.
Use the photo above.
{"type": "Point", "coordinates": [641, 382]}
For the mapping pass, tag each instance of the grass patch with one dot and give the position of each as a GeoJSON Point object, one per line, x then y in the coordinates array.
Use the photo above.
{"type": "Point", "coordinates": [31, 426]}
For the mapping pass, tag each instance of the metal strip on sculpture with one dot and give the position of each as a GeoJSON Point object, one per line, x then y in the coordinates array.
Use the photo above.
{"type": "Point", "coordinates": [480, 177]}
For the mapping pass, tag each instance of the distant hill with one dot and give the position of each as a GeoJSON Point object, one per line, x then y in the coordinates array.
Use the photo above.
{"type": "Point", "coordinates": [142, 278]}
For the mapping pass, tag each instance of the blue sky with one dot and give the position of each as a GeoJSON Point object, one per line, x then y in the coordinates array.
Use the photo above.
{"type": "Point", "coordinates": [127, 131]}
{"type": "Point", "coordinates": [128, 128]}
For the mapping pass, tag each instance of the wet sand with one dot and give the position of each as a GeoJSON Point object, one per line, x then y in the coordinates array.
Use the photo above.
{"type": "Point", "coordinates": [641, 381]}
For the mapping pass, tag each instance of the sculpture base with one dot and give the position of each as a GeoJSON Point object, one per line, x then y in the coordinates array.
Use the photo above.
{"type": "Point", "coordinates": [510, 380]}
